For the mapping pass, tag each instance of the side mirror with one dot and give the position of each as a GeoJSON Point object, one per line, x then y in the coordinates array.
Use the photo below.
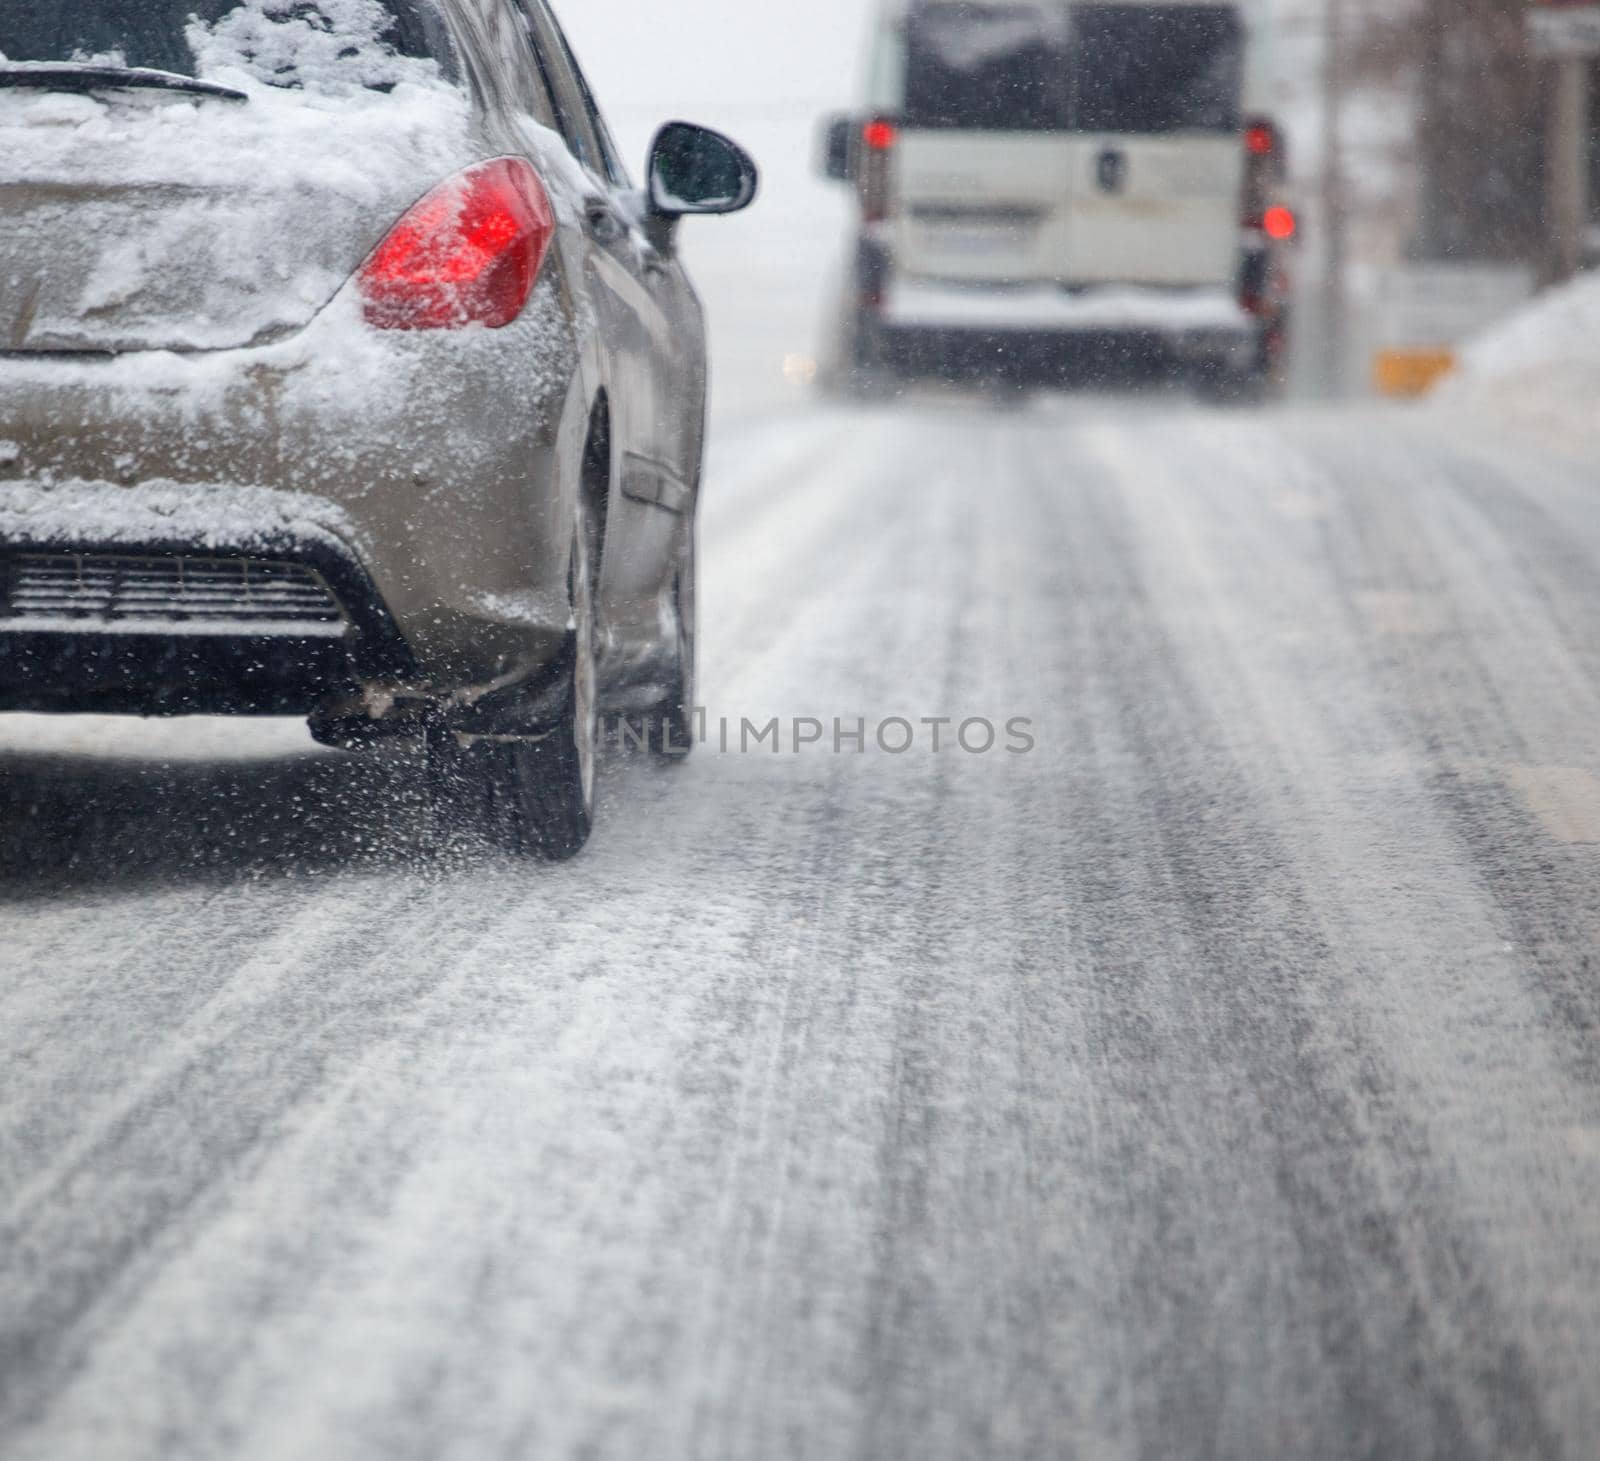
{"type": "Point", "coordinates": [695, 170]}
{"type": "Point", "coordinates": [838, 133]}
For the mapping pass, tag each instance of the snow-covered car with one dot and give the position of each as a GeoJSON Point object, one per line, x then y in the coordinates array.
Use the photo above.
{"type": "Point", "coordinates": [1061, 182]}
{"type": "Point", "coordinates": [345, 373]}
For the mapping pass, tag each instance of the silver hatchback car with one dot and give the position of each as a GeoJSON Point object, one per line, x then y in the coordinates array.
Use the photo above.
{"type": "Point", "coordinates": [344, 373]}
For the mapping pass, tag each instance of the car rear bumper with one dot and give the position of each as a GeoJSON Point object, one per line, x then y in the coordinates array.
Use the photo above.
{"type": "Point", "coordinates": [278, 622]}
{"type": "Point", "coordinates": [436, 464]}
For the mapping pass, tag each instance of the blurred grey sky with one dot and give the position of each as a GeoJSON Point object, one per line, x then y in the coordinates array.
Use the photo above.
{"type": "Point", "coordinates": [691, 54]}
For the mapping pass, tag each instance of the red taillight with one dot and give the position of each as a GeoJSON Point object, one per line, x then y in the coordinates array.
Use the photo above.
{"type": "Point", "coordinates": [1264, 173]}
{"type": "Point", "coordinates": [1279, 224]}
{"type": "Point", "coordinates": [467, 254]}
{"type": "Point", "coordinates": [875, 174]}
{"type": "Point", "coordinates": [879, 136]}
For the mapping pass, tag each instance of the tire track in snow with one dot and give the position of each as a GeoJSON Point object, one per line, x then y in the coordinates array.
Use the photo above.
{"type": "Point", "coordinates": [1171, 1090]}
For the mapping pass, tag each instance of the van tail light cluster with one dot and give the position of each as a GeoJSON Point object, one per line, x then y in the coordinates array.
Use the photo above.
{"type": "Point", "coordinates": [468, 254]}
{"type": "Point", "coordinates": [1266, 169]}
{"type": "Point", "coordinates": [1265, 222]}
{"type": "Point", "coordinates": [875, 172]}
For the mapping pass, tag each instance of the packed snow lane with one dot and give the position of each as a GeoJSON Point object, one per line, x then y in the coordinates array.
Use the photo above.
{"type": "Point", "coordinates": [1218, 1079]}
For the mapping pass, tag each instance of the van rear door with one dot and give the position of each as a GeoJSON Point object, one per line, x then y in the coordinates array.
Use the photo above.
{"type": "Point", "coordinates": [1156, 175]}
{"type": "Point", "coordinates": [984, 149]}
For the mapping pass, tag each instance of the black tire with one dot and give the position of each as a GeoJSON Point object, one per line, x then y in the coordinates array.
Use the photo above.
{"type": "Point", "coordinates": [1217, 386]}
{"type": "Point", "coordinates": [863, 345]}
{"type": "Point", "coordinates": [532, 794]}
{"type": "Point", "coordinates": [671, 723]}
{"type": "Point", "coordinates": [874, 370]}
{"type": "Point", "coordinates": [1260, 382]}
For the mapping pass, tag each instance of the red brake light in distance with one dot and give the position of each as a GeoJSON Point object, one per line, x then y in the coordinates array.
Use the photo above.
{"type": "Point", "coordinates": [875, 173]}
{"type": "Point", "coordinates": [1279, 223]}
{"type": "Point", "coordinates": [879, 136]}
{"type": "Point", "coordinates": [469, 253]}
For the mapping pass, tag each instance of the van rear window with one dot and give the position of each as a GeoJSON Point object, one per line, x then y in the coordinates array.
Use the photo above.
{"type": "Point", "coordinates": [987, 68]}
{"type": "Point", "coordinates": [1149, 68]}
{"type": "Point", "coordinates": [1050, 67]}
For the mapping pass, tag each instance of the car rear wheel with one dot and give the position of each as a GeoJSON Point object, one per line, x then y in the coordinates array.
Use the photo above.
{"type": "Point", "coordinates": [532, 794]}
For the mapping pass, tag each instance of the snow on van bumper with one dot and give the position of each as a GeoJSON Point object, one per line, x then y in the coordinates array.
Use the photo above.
{"type": "Point", "coordinates": [1201, 318]}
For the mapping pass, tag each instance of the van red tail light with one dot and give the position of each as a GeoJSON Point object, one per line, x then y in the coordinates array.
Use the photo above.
{"type": "Point", "coordinates": [876, 173]}
{"type": "Point", "coordinates": [879, 136]}
{"type": "Point", "coordinates": [1265, 170]}
{"type": "Point", "coordinates": [468, 254]}
{"type": "Point", "coordinates": [1279, 224]}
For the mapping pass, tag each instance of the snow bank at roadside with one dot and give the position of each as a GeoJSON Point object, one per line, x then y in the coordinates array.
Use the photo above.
{"type": "Point", "coordinates": [1539, 370]}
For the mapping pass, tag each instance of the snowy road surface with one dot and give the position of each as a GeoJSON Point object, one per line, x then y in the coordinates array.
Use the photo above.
{"type": "Point", "coordinates": [1220, 1079]}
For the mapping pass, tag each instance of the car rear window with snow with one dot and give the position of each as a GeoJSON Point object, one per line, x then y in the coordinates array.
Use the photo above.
{"type": "Point", "coordinates": [324, 45]}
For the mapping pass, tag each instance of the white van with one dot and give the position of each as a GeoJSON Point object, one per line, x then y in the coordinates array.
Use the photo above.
{"type": "Point", "coordinates": [1064, 183]}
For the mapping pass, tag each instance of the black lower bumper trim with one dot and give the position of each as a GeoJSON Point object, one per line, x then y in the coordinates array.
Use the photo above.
{"type": "Point", "coordinates": [86, 669]}
{"type": "Point", "coordinates": [1084, 357]}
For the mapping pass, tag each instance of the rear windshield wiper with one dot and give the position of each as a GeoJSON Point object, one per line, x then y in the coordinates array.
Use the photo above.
{"type": "Point", "coordinates": [73, 76]}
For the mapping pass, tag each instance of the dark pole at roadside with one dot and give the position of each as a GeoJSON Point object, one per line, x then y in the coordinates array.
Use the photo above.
{"type": "Point", "coordinates": [1569, 166]}
{"type": "Point", "coordinates": [1335, 202]}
